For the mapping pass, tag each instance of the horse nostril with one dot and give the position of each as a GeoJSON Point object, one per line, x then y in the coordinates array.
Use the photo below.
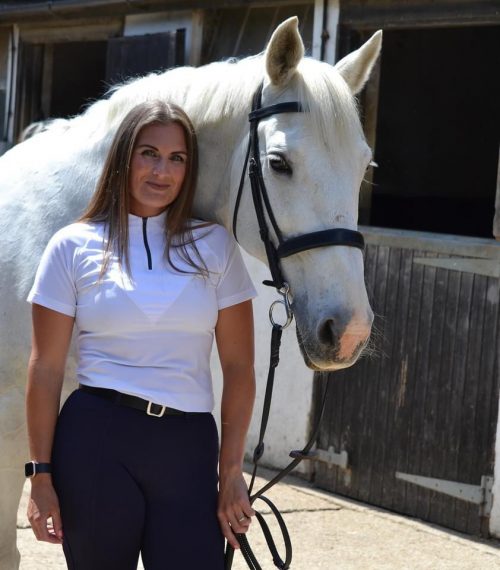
{"type": "Point", "coordinates": [328, 332]}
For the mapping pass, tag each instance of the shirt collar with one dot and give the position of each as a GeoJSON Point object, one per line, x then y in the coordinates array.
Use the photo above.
{"type": "Point", "coordinates": [152, 221]}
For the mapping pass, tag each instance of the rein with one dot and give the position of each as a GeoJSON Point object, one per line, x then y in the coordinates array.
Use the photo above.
{"type": "Point", "coordinates": [274, 253]}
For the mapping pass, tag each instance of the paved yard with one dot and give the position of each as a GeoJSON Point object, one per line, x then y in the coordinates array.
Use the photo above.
{"type": "Point", "coordinates": [329, 532]}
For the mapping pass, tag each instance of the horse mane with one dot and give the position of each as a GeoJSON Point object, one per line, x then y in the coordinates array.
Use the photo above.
{"type": "Point", "coordinates": [222, 90]}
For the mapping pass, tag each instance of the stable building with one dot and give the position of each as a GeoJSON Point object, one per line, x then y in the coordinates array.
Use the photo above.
{"type": "Point", "coordinates": [413, 426]}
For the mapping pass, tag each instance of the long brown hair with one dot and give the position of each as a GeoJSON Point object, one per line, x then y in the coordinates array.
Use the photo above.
{"type": "Point", "coordinates": [111, 200]}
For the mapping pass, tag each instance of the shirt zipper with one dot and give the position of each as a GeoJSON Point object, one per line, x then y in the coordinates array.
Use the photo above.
{"type": "Point", "coordinates": [146, 244]}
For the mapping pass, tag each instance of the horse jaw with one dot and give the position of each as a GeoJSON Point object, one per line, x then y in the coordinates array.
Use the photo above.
{"type": "Point", "coordinates": [356, 67]}
{"type": "Point", "coordinates": [284, 52]}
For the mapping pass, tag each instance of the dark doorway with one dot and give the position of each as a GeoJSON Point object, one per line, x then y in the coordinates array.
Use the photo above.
{"type": "Point", "coordinates": [438, 131]}
{"type": "Point", "coordinates": [59, 80]}
{"type": "Point", "coordinates": [78, 75]}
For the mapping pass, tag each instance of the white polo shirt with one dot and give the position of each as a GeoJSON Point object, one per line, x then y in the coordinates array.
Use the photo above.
{"type": "Point", "coordinates": [150, 334]}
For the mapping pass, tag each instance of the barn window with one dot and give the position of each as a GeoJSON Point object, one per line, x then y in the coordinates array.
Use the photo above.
{"type": "Point", "coordinates": [436, 143]}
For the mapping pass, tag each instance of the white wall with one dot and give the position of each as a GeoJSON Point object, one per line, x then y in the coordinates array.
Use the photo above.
{"type": "Point", "coordinates": [288, 426]}
{"type": "Point", "coordinates": [332, 22]}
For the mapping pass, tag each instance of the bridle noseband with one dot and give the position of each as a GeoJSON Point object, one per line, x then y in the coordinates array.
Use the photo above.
{"type": "Point", "coordinates": [274, 254]}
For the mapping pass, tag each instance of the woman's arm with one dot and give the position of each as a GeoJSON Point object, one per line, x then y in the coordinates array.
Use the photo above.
{"type": "Point", "coordinates": [50, 342]}
{"type": "Point", "coordinates": [235, 343]}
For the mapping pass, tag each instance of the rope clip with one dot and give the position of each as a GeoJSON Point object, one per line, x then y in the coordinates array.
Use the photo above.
{"type": "Point", "coordinates": [284, 291]}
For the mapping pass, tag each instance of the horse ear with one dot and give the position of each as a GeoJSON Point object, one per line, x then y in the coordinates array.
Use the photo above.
{"type": "Point", "coordinates": [356, 67]}
{"type": "Point", "coordinates": [284, 52]}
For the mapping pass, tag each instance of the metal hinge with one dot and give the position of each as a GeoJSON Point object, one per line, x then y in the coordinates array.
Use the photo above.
{"type": "Point", "coordinates": [329, 457]}
{"type": "Point", "coordinates": [480, 495]}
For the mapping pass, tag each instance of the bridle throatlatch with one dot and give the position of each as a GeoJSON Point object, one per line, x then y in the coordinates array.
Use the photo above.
{"type": "Point", "coordinates": [274, 253]}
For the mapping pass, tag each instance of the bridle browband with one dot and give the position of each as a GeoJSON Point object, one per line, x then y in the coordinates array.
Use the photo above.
{"type": "Point", "coordinates": [274, 253]}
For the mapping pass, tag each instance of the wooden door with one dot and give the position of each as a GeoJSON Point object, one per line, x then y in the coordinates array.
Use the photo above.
{"type": "Point", "coordinates": [425, 402]}
{"type": "Point", "coordinates": [137, 55]}
{"type": "Point", "coordinates": [29, 86]}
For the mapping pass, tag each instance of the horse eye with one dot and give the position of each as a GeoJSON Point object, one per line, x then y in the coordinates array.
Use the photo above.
{"type": "Point", "coordinates": [279, 164]}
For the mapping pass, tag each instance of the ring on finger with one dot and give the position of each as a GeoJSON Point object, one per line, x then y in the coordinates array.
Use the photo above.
{"type": "Point", "coordinates": [242, 518]}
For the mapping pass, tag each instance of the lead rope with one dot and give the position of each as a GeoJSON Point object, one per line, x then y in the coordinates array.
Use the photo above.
{"type": "Point", "coordinates": [298, 456]}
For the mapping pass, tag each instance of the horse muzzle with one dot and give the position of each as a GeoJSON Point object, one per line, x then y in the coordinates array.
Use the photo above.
{"type": "Point", "coordinates": [336, 342]}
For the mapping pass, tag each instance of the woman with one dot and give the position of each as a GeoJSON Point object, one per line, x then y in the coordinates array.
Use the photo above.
{"type": "Point", "coordinates": [130, 464]}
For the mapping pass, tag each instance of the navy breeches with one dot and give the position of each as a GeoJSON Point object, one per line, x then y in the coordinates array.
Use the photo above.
{"type": "Point", "coordinates": [129, 483]}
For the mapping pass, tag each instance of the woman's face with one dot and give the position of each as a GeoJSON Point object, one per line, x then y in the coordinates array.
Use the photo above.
{"type": "Point", "coordinates": [157, 168]}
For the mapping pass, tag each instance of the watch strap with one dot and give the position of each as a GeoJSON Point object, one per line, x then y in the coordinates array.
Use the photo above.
{"type": "Point", "coordinates": [33, 468]}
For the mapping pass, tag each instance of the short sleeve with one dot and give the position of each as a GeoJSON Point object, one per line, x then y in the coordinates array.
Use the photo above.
{"type": "Point", "coordinates": [235, 285]}
{"type": "Point", "coordinates": [54, 285]}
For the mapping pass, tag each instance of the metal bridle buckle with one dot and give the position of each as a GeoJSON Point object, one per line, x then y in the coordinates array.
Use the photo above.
{"type": "Point", "coordinates": [151, 413]}
{"type": "Point", "coordinates": [284, 292]}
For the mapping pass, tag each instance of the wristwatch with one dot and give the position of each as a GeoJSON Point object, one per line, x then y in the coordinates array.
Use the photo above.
{"type": "Point", "coordinates": [32, 468]}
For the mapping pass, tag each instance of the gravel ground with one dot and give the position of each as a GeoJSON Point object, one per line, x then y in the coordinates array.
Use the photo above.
{"type": "Point", "coordinates": [328, 532]}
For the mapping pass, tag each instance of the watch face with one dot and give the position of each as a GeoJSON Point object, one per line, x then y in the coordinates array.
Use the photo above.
{"type": "Point", "coordinates": [29, 469]}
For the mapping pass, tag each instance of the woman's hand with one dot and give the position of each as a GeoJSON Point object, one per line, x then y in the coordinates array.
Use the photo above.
{"type": "Point", "coordinates": [234, 511]}
{"type": "Point", "coordinates": [44, 505]}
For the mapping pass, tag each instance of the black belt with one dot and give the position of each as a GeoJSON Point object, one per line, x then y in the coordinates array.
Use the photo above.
{"type": "Point", "coordinates": [151, 409]}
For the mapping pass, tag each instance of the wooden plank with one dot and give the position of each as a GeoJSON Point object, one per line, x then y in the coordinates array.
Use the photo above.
{"type": "Point", "coordinates": [420, 439]}
{"type": "Point", "coordinates": [76, 30]}
{"type": "Point", "coordinates": [373, 14]}
{"type": "Point", "coordinates": [403, 387]}
{"type": "Point", "coordinates": [489, 267]}
{"type": "Point", "coordinates": [459, 380]}
{"type": "Point", "coordinates": [436, 243]}
{"type": "Point", "coordinates": [471, 471]}
{"type": "Point", "coordinates": [443, 464]}
{"type": "Point", "coordinates": [382, 424]}
{"type": "Point", "coordinates": [486, 426]}
{"type": "Point", "coordinates": [488, 389]}
{"type": "Point", "coordinates": [434, 453]}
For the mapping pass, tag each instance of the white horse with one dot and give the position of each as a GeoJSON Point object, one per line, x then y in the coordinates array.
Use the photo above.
{"type": "Point", "coordinates": [46, 181]}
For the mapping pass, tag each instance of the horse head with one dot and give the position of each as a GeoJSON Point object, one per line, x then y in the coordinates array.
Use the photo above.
{"type": "Point", "coordinates": [313, 163]}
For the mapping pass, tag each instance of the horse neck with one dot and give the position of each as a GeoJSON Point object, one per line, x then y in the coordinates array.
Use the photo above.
{"type": "Point", "coordinates": [216, 149]}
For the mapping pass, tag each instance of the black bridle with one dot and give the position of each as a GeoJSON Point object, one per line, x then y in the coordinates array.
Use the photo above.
{"type": "Point", "coordinates": [274, 253]}
{"type": "Point", "coordinates": [290, 246]}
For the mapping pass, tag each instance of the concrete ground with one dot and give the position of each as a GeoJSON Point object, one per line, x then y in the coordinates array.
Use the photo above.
{"type": "Point", "coordinates": [328, 532]}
